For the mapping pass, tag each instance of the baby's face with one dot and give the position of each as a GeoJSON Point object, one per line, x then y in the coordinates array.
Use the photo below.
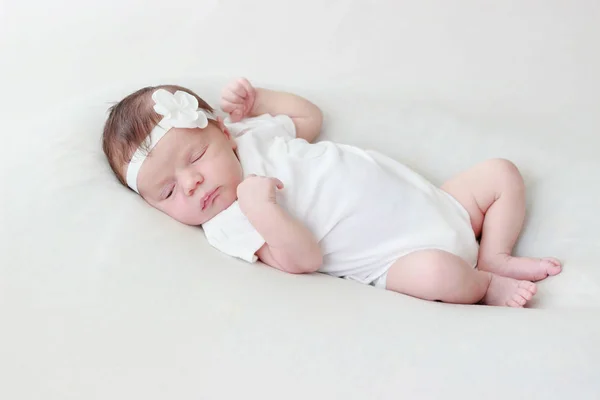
{"type": "Point", "coordinates": [192, 174]}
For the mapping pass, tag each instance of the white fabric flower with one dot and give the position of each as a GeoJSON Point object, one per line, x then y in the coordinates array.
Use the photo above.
{"type": "Point", "coordinates": [180, 110]}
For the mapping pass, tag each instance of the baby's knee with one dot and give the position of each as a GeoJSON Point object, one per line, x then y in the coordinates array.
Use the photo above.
{"type": "Point", "coordinates": [438, 268]}
{"type": "Point", "coordinates": [505, 171]}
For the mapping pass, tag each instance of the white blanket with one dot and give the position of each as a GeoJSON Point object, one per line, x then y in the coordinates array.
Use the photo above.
{"type": "Point", "coordinates": [102, 297]}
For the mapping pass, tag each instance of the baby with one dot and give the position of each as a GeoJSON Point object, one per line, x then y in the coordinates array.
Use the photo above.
{"type": "Point", "coordinates": [262, 190]}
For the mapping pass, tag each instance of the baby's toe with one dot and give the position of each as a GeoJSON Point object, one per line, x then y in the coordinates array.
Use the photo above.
{"type": "Point", "coordinates": [513, 303]}
{"type": "Point", "coordinates": [529, 286]}
{"type": "Point", "coordinates": [553, 266]}
{"type": "Point", "coordinates": [520, 300]}
{"type": "Point", "coordinates": [553, 260]}
{"type": "Point", "coordinates": [525, 294]}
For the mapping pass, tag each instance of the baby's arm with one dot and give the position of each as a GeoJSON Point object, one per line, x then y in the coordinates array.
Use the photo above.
{"type": "Point", "coordinates": [241, 100]}
{"type": "Point", "coordinates": [289, 246]}
{"type": "Point", "coordinates": [307, 117]}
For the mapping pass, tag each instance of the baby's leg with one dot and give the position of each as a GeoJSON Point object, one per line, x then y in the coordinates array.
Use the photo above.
{"type": "Point", "coordinates": [493, 193]}
{"type": "Point", "coordinates": [439, 275]}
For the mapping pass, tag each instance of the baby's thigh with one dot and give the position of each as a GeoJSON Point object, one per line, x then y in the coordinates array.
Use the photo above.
{"type": "Point", "coordinates": [425, 273]}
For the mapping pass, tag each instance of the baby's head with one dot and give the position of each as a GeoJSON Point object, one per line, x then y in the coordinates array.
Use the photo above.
{"type": "Point", "coordinates": [164, 143]}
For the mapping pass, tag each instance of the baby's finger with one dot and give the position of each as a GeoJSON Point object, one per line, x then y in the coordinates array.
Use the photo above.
{"type": "Point", "coordinates": [228, 107]}
{"type": "Point", "coordinates": [239, 89]}
{"type": "Point", "coordinates": [236, 115]}
{"type": "Point", "coordinates": [277, 183]}
{"type": "Point", "coordinates": [232, 97]}
{"type": "Point", "coordinates": [250, 93]}
{"type": "Point", "coordinates": [245, 84]}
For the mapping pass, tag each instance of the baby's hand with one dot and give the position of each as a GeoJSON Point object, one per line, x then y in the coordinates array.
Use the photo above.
{"type": "Point", "coordinates": [257, 190]}
{"type": "Point", "coordinates": [237, 99]}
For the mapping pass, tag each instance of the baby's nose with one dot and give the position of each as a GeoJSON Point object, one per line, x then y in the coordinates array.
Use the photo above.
{"type": "Point", "coordinates": [191, 182]}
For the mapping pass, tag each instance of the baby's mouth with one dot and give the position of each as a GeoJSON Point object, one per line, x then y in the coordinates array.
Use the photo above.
{"type": "Point", "coordinates": [208, 198]}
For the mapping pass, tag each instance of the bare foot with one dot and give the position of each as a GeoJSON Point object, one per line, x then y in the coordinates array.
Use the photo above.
{"type": "Point", "coordinates": [525, 268]}
{"type": "Point", "coordinates": [508, 292]}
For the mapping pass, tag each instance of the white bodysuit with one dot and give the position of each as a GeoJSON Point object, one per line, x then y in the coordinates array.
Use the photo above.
{"type": "Point", "coordinates": [365, 209]}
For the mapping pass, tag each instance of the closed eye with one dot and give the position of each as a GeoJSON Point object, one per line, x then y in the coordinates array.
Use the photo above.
{"type": "Point", "coordinates": [198, 156]}
{"type": "Point", "coordinates": [169, 192]}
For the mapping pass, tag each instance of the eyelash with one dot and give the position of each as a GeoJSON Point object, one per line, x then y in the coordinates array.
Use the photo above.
{"type": "Point", "coordinates": [199, 155]}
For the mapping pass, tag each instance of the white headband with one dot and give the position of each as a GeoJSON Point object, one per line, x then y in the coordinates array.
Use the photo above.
{"type": "Point", "coordinates": [180, 110]}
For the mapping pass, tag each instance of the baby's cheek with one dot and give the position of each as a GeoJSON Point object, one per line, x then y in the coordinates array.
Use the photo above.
{"type": "Point", "coordinates": [175, 211]}
{"type": "Point", "coordinates": [186, 213]}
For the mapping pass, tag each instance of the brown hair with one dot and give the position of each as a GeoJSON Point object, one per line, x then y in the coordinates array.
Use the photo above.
{"type": "Point", "coordinates": [130, 121]}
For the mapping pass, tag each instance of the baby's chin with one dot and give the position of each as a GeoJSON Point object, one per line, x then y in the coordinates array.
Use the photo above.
{"type": "Point", "coordinates": [195, 221]}
{"type": "Point", "coordinates": [219, 205]}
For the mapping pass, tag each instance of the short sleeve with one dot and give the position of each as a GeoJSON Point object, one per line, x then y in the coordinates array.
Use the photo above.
{"type": "Point", "coordinates": [265, 125]}
{"type": "Point", "coordinates": [287, 124]}
{"type": "Point", "coordinates": [232, 233]}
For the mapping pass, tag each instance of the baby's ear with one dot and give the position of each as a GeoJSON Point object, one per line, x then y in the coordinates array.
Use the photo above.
{"type": "Point", "coordinates": [226, 132]}
{"type": "Point", "coordinates": [222, 126]}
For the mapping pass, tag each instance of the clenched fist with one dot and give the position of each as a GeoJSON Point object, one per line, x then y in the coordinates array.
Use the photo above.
{"type": "Point", "coordinates": [257, 190]}
{"type": "Point", "coordinates": [237, 99]}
